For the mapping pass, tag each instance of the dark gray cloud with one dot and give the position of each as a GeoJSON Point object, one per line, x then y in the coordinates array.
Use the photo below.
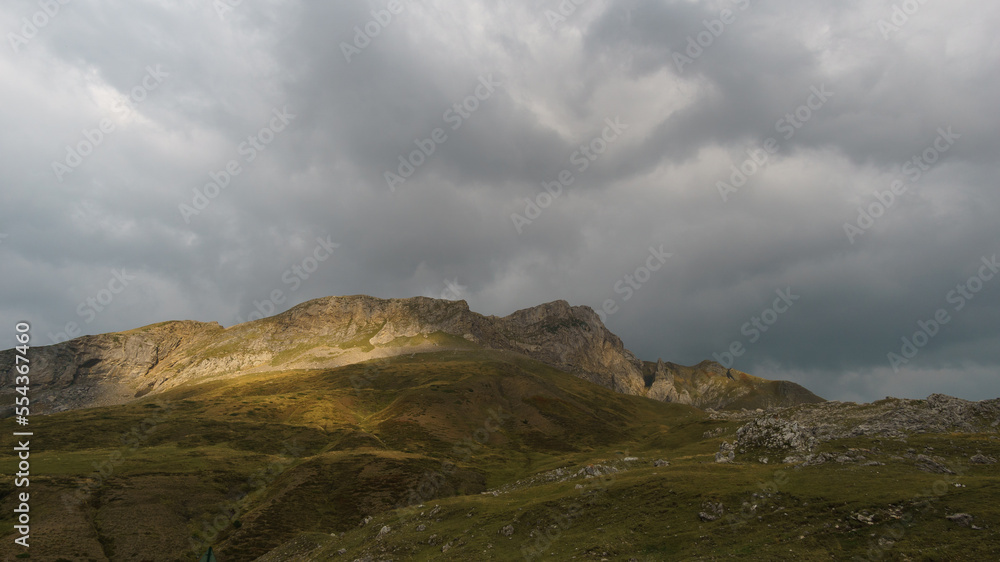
{"type": "Point", "coordinates": [188, 91]}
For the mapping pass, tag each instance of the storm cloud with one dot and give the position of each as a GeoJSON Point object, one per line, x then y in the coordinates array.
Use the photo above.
{"type": "Point", "coordinates": [220, 160]}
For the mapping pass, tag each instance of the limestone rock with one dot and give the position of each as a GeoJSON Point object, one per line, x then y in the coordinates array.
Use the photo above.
{"type": "Point", "coordinates": [710, 385]}
{"type": "Point", "coordinates": [963, 519]}
{"type": "Point", "coordinates": [711, 511]}
{"type": "Point", "coordinates": [982, 459]}
{"type": "Point", "coordinates": [892, 418]}
{"type": "Point", "coordinates": [775, 434]}
{"type": "Point", "coordinates": [726, 452]}
{"type": "Point", "coordinates": [928, 464]}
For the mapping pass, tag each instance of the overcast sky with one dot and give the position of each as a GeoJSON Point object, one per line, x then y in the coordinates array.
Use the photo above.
{"type": "Point", "coordinates": [113, 118]}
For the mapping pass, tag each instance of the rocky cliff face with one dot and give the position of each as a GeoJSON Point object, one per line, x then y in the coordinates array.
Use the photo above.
{"type": "Point", "coordinates": [104, 369]}
{"type": "Point", "coordinates": [115, 368]}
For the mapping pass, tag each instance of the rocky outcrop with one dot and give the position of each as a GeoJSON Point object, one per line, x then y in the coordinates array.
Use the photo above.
{"type": "Point", "coordinates": [711, 511]}
{"type": "Point", "coordinates": [982, 459]}
{"type": "Point", "coordinates": [573, 339]}
{"type": "Point", "coordinates": [104, 369]}
{"type": "Point", "coordinates": [801, 429]}
{"type": "Point", "coordinates": [890, 417]}
{"type": "Point", "coordinates": [963, 519]}
{"type": "Point", "coordinates": [661, 381]}
{"type": "Point", "coordinates": [726, 453]}
{"type": "Point", "coordinates": [774, 434]}
{"type": "Point", "coordinates": [710, 385]}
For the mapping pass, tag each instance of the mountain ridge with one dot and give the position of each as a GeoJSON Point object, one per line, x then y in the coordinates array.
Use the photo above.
{"type": "Point", "coordinates": [327, 332]}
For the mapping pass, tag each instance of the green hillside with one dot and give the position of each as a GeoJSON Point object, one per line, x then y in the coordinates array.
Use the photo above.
{"type": "Point", "coordinates": [445, 450]}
